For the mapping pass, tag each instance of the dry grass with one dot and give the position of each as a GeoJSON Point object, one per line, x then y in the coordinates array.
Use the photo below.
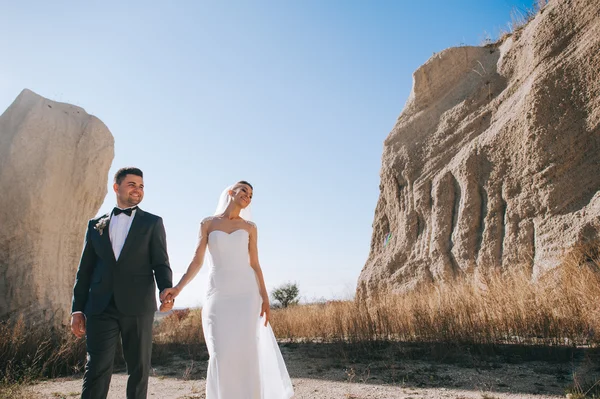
{"type": "Point", "coordinates": [180, 327]}
{"type": "Point", "coordinates": [562, 308]}
{"type": "Point", "coordinates": [179, 333]}
{"type": "Point", "coordinates": [519, 17]}
{"type": "Point", "coordinates": [584, 389]}
{"type": "Point", "coordinates": [28, 352]}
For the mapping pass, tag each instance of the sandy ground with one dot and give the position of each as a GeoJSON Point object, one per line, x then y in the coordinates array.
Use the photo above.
{"type": "Point", "coordinates": [317, 374]}
{"type": "Point", "coordinates": [305, 388]}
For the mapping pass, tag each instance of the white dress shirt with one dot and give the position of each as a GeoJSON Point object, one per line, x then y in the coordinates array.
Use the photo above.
{"type": "Point", "coordinates": [118, 229]}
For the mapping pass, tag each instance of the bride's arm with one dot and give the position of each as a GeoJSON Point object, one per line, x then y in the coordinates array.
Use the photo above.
{"type": "Point", "coordinates": [254, 263]}
{"type": "Point", "coordinates": [194, 266]}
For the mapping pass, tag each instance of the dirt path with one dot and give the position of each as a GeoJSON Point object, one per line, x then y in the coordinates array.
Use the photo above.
{"type": "Point", "coordinates": [305, 388]}
{"type": "Point", "coordinates": [318, 373]}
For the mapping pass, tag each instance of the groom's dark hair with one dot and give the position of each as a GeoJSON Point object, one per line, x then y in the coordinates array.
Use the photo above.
{"type": "Point", "coordinates": [246, 183]}
{"type": "Point", "coordinates": [121, 173]}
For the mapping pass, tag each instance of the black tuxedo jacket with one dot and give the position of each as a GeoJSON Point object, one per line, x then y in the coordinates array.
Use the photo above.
{"type": "Point", "coordinates": [130, 279]}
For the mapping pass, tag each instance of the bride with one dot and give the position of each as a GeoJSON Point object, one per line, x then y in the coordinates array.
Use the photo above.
{"type": "Point", "coordinates": [245, 361]}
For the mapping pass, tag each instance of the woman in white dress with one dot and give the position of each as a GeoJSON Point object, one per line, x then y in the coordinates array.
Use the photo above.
{"type": "Point", "coordinates": [245, 361]}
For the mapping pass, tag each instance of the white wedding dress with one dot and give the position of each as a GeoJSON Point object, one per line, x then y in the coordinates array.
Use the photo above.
{"type": "Point", "coordinates": [245, 361]}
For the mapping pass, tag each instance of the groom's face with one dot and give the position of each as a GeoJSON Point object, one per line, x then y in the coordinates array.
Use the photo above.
{"type": "Point", "coordinates": [130, 192]}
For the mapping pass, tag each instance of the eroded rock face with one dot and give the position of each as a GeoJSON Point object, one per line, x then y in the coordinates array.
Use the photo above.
{"type": "Point", "coordinates": [54, 162]}
{"type": "Point", "coordinates": [495, 160]}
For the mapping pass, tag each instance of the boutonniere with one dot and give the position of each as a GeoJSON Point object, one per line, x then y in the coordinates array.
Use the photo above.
{"type": "Point", "coordinates": [102, 224]}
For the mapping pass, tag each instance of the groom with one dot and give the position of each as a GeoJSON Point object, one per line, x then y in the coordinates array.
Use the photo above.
{"type": "Point", "coordinates": [125, 251]}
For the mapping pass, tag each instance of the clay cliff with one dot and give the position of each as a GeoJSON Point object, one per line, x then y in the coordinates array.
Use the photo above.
{"type": "Point", "coordinates": [54, 162]}
{"type": "Point", "coordinates": [495, 160]}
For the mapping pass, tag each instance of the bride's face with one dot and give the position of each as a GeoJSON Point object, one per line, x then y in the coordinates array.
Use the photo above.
{"type": "Point", "coordinates": [242, 195]}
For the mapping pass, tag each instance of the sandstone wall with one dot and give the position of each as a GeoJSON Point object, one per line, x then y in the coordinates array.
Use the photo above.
{"type": "Point", "coordinates": [54, 162]}
{"type": "Point", "coordinates": [495, 160]}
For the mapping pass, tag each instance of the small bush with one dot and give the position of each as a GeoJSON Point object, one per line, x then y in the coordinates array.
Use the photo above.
{"type": "Point", "coordinates": [286, 295]}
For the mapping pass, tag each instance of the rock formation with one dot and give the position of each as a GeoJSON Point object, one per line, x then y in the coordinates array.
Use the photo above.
{"type": "Point", "coordinates": [54, 162]}
{"type": "Point", "coordinates": [495, 160]}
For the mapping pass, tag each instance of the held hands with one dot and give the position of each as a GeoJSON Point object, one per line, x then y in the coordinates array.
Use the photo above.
{"type": "Point", "coordinates": [78, 324]}
{"type": "Point", "coordinates": [167, 298]}
{"type": "Point", "coordinates": [266, 311]}
{"type": "Point", "coordinates": [166, 306]}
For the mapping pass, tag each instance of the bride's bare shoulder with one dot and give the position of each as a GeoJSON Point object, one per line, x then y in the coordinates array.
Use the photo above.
{"type": "Point", "coordinates": [206, 221]}
{"type": "Point", "coordinates": [250, 224]}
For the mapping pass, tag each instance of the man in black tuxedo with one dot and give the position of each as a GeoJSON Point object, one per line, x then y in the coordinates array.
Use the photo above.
{"type": "Point", "coordinates": [125, 251]}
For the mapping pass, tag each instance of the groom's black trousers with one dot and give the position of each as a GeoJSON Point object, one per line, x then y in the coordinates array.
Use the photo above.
{"type": "Point", "coordinates": [102, 333]}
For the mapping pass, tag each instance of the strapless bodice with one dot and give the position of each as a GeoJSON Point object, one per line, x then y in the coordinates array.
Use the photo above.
{"type": "Point", "coordinates": [229, 249]}
{"type": "Point", "coordinates": [230, 272]}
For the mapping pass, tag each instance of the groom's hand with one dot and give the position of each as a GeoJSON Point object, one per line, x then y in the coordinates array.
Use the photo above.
{"type": "Point", "coordinates": [78, 324]}
{"type": "Point", "coordinates": [167, 299]}
{"type": "Point", "coordinates": [166, 306]}
{"type": "Point", "coordinates": [168, 295]}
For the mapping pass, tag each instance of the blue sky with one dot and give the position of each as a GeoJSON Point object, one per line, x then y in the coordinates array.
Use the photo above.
{"type": "Point", "coordinates": [294, 96]}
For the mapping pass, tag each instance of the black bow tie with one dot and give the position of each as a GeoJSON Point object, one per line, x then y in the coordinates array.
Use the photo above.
{"type": "Point", "coordinates": [127, 211]}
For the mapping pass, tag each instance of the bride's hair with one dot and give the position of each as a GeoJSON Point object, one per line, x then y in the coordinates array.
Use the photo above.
{"type": "Point", "coordinates": [244, 182]}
